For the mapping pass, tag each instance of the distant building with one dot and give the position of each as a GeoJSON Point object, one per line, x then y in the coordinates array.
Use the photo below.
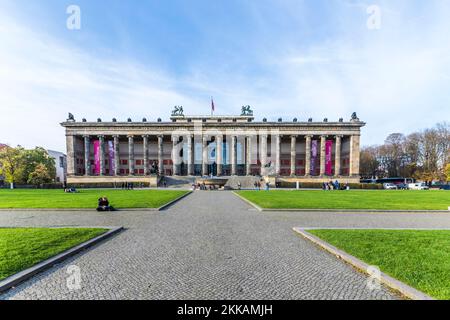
{"type": "Point", "coordinates": [60, 164]}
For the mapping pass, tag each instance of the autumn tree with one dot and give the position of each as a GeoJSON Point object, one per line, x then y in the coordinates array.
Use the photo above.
{"type": "Point", "coordinates": [34, 157]}
{"type": "Point", "coordinates": [40, 175]}
{"type": "Point", "coordinates": [11, 164]}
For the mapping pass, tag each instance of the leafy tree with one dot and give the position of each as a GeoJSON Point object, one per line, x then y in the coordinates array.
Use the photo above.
{"type": "Point", "coordinates": [40, 175]}
{"type": "Point", "coordinates": [11, 164]}
{"type": "Point", "coordinates": [447, 171]}
{"type": "Point", "coordinates": [34, 157]}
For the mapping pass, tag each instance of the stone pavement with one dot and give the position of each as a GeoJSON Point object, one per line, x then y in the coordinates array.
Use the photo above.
{"type": "Point", "coordinates": [210, 245]}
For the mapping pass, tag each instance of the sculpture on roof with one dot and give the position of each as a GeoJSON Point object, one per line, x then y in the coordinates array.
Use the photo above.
{"type": "Point", "coordinates": [71, 117]}
{"type": "Point", "coordinates": [354, 117]}
{"type": "Point", "coordinates": [246, 111]}
{"type": "Point", "coordinates": [178, 111]}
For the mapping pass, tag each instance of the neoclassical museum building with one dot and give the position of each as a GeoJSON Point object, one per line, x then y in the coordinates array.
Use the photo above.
{"type": "Point", "coordinates": [143, 151]}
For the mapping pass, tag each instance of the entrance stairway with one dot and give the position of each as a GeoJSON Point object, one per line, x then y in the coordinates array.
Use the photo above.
{"type": "Point", "coordinates": [247, 182]}
{"type": "Point", "coordinates": [177, 182]}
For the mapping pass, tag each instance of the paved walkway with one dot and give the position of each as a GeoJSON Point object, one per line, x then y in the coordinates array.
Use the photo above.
{"type": "Point", "coordinates": [210, 245]}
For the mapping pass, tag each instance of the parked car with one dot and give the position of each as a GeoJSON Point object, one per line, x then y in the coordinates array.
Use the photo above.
{"type": "Point", "coordinates": [445, 187]}
{"type": "Point", "coordinates": [389, 186]}
{"type": "Point", "coordinates": [418, 186]}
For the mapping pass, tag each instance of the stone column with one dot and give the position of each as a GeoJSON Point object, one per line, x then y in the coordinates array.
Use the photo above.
{"type": "Point", "coordinates": [293, 154]}
{"type": "Point", "coordinates": [190, 157]}
{"type": "Point", "coordinates": [101, 140]}
{"type": "Point", "coordinates": [116, 155]}
{"type": "Point", "coordinates": [160, 155]}
{"type": "Point", "coordinates": [278, 154]}
{"type": "Point", "coordinates": [337, 161]}
{"type": "Point", "coordinates": [71, 157]}
{"type": "Point", "coordinates": [145, 150]}
{"type": "Point", "coordinates": [323, 140]}
{"type": "Point", "coordinates": [175, 156]}
{"type": "Point", "coordinates": [219, 154]}
{"type": "Point", "coordinates": [87, 162]}
{"type": "Point", "coordinates": [131, 154]}
{"type": "Point", "coordinates": [263, 155]}
{"type": "Point", "coordinates": [233, 155]}
{"type": "Point", "coordinates": [204, 156]}
{"type": "Point", "coordinates": [248, 158]}
{"type": "Point", "coordinates": [308, 155]}
{"type": "Point", "coordinates": [354, 155]}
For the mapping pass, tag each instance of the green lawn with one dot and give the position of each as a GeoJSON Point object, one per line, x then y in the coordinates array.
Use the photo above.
{"type": "Point", "coordinates": [352, 199]}
{"type": "Point", "coordinates": [22, 248]}
{"type": "Point", "coordinates": [87, 198]}
{"type": "Point", "coordinates": [419, 258]}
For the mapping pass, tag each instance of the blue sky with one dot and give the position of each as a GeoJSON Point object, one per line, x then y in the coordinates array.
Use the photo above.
{"type": "Point", "coordinates": [285, 58]}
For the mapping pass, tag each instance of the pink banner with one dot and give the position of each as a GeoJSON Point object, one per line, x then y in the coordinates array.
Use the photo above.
{"type": "Point", "coordinates": [96, 157]}
{"type": "Point", "coordinates": [328, 160]}
{"type": "Point", "coordinates": [314, 154]}
{"type": "Point", "coordinates": [111, 157]}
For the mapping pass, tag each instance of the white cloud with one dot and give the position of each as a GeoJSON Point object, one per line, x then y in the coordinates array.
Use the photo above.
{"type": "Point", "coordinates": [41, 80]}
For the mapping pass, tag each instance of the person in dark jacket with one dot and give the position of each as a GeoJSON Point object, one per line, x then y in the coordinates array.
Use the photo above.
{"type": "Point", "coordinates": [103, 205]}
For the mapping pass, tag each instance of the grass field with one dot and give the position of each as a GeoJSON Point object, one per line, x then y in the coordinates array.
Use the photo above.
{"type": "Point", "coordinates": [57, 199]}
{"type": "Point", "coordinates": [352, 199]}
{"type": "Point", "coordinates": [23, 248]}
{"type": "Point", "coordinates": [419, 258]}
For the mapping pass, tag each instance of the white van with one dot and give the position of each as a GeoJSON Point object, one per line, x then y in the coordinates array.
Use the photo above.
{"type": "Point", "coordinates": [418, 186]}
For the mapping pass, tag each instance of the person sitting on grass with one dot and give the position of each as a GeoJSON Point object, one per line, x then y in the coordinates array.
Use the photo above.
{"type": "Point", "coordinates": [103, 205]}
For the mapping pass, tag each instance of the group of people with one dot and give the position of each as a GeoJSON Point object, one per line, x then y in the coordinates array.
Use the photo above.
{"type": "Point", "coordinates": [103, 204]}
{"type": "Point", "coordinates": [203, 186]}
{"type": "Point", "coordinates": [335, 186]}
{"type": "Point", "coordinates": [127, 186]}
{"type": "Point", "coordinates": [257, 185]}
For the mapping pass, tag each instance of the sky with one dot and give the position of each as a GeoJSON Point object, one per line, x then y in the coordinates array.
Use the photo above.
{"type": "Point", "coordinates": [285, 58]}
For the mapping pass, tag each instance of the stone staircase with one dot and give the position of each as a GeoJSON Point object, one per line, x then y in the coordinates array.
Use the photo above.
{"type": "Point", "coordinates": [177, 182]}
{"type": "Point", "coordinates": [246, 182]}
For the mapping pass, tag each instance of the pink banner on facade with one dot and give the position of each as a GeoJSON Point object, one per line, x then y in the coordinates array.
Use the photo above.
{"type": "Point", "coordinates": [96, 157]}
{"type": "Point", "coordinates": [314, 153]}
{"type": "Point", "coordinates": [328, 160]}
{"type": "Point", "coordinates": [111, 157]}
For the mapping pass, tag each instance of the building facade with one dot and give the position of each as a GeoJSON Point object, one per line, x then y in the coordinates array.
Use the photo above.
{"type": "Point", "coordinates": [115, 152]}
{"type": "Point", "coordinates": [60, 165]}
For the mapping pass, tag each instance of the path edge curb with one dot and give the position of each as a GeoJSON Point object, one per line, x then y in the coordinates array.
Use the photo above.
{"type": "Point", "coordinates": [26, 274]}
{"type": "Point", "coordinates": [248, 201]}
{"type": "Point", "coordinates": [392, 283]}
{"type": "Point", "coordinates": [165, 206]}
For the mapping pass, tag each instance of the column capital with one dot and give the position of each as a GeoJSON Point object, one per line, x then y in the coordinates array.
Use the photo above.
{"type": "Point", "coordinates": [339, 136]}
{"type": "Point", "coordinates": [323, 136]}
{"type": "Point", "coordinates": [294, 136]}
{"type": "Point", "coordinates": [101, 136]}
{"type": "Point", "coordinates": [175, 138]}
{"type": "Point", "coordinates": [86, 136]}
{"type": "Point", "coordinates": [309, 136]}
{"type": "Point", "coordinates": [160, 136]}
{"type": "Point", "coordinates": [130, 136]}
{"type": "Point", "coordinates": [145, 136]}
{"type": "Point", "coordinates": [116, 136]}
